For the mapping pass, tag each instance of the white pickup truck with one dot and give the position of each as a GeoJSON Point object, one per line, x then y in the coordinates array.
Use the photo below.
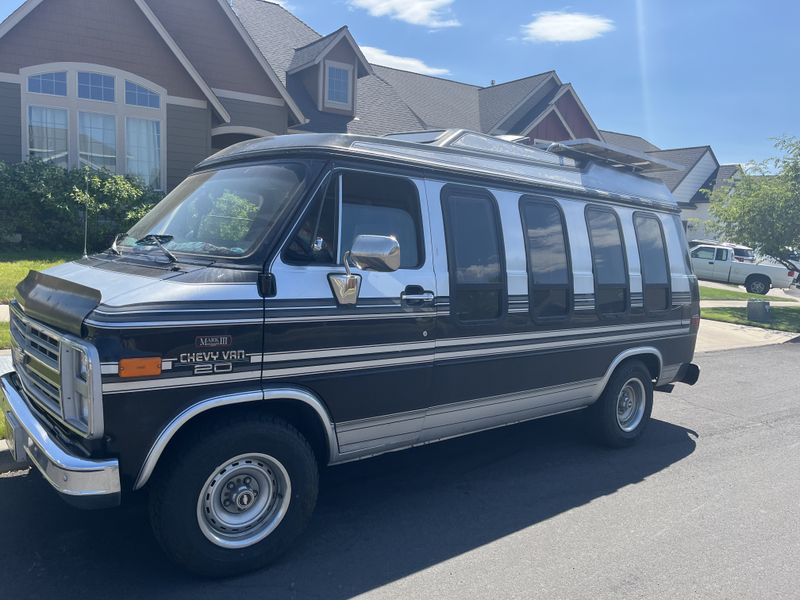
{"type": "Point", "coordinates": [717, 263]}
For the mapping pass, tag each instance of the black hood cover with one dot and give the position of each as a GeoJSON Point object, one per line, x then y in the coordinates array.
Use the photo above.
{"type": "Point", "coordinates": [61, 303]}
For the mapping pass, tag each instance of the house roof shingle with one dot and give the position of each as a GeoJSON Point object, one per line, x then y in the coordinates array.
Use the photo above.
{"type": "Point", "coordinates": [688, 157]}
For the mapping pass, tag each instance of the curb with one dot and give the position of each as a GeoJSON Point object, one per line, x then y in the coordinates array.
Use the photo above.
{"type": "Point", "coordinates": [6, 462]}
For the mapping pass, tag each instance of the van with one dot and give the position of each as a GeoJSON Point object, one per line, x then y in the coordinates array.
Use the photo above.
{"type": "Point", "coordinates": [314, 299]}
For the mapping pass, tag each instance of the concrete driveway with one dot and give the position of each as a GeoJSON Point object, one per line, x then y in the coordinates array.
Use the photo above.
{"type": "Point", "coordinates": [706, 506]}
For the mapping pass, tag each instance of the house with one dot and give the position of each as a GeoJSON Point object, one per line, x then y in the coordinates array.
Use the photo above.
{"type": "Point", "coordinates": [130, 85]}
{"type": "Point", "coordinates": [702, 173]}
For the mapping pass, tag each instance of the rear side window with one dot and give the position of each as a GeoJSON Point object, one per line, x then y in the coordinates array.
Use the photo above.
{"type": "Point", "coordinates": [353, 204]}
{"type": "Point", "coordinates": [608, 261]}
{"type": "Point", "coordinates": [722, 254]}
{"type": "Point", "coordinates": [653, 258]}
{"type": "Point", "coordinates": [548, 260]}
{"type": "Point", "coordinates": [474, 255]}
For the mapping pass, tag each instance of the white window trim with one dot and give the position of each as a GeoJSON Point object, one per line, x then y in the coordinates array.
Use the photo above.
{"type": "Point", "coordinates": [73, 104]}
{"type": "Point", "coordinates": [350, 93]}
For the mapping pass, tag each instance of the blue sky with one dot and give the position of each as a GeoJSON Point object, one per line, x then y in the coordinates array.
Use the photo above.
{"type": "Point", "coordinates": [679, 72]}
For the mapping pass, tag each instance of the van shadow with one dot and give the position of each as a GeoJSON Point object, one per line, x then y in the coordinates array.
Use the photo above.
{"type": "Point", "coordinates": [377, 520]}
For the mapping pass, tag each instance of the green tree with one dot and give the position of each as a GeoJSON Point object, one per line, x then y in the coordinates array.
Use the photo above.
{"type": "Point", "coordinates": [763, 209]}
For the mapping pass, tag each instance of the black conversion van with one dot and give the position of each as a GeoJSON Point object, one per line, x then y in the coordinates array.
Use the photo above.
{"type": "Point", "coordinates": [309, 300]}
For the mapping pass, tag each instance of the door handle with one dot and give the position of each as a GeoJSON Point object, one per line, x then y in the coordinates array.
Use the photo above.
{"type": "Point", "coordinates": [415, 295]}
{"type": "Point", "coordinates": [711, 262]}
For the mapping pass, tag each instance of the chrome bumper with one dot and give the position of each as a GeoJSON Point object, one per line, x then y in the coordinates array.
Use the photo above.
{"type": "Point", "coordinates": [82, 482]}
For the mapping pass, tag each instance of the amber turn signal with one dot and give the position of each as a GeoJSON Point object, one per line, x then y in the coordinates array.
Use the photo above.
{"type": "Point", "coordinates": [140, 367]}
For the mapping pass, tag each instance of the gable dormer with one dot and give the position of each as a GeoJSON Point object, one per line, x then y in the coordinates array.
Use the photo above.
{"type": "Point", "coordinates": [329, 69]}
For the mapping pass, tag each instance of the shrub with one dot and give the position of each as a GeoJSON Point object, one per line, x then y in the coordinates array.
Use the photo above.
{"type": "Point", "coordinates": [42, 206]}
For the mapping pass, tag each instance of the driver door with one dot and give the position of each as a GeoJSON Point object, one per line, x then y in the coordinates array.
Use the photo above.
{"type": "Point", "coordinates": [371, 363]}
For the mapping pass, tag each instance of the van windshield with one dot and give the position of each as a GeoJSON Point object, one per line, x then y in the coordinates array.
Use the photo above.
{"type": "Point", "coordinates": [221, 213]}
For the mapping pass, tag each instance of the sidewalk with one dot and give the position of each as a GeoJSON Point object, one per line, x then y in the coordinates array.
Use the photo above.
{"type": "Point", "coordinates": [715, 335]}
{"type": "Point", "coordinates": [4, 313]}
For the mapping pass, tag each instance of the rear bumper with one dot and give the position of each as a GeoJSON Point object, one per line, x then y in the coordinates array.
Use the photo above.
{"type": "Point", "coordinates": [82, 482]}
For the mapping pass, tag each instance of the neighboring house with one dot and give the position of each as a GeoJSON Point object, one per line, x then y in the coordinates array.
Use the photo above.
{"type": "Point", "coordinates": [702, 173]}
{"type": "Point", "coordinates": [151, 87]}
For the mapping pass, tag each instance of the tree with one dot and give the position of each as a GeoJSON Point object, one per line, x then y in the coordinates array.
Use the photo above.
{"type": "Point", "coordinates": [763, 209]}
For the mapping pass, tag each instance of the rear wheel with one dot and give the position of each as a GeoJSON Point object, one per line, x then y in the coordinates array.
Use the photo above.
{"type": "Point", "coordinates": [620, 415]}
{"type": "Point", "coordinates": [757, 285]}
{"type": "Point", "coordinates": [236, 496]}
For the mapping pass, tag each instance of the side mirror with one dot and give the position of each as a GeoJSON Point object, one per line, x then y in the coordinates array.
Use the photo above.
{"type": "Point", "coordinates": [369, 252]}
{"type": "Point", "coordinates": [375, 253]}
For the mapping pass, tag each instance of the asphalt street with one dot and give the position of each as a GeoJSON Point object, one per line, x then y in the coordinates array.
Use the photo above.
{"type": "Point", "coordinates": [706, 506]}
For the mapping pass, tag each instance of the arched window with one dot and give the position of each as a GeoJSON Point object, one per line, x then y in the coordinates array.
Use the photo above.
{"type": "Point", "coordinates": [77, 114]}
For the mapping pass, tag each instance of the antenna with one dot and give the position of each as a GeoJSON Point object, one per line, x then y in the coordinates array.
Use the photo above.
{"type": "Point", "coordinates": [85, 215]}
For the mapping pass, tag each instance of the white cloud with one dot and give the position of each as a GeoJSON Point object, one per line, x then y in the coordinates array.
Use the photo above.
{"type": "Point", "coordinates": [407, 63]}
{"type": "Point", "coordinates": [435, 14]}
{"type": "Point", "coordinates": [558, 26]}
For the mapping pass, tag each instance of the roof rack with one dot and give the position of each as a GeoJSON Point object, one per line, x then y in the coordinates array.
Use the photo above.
{"type": "Point", "coordinates": [613, 155]}
{"type": "Point", "coordinates": [565, 153]}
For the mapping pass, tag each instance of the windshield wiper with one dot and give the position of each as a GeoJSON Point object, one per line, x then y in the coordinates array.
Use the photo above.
{"type": "Point", "coordinates": [153, 239]}
{"type": "Point", "coordinates": [114, 249]}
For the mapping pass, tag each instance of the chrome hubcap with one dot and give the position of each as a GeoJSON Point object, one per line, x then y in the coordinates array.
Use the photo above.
{"type": "Point", "coordinates": [631, 405]}
{"type": "Point", "coordinates": [244, 500]}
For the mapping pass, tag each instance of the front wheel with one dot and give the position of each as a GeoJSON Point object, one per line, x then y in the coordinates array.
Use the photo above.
{"type": "Point", "coordinates": [235, 496]}
{"type": "Point", "coordinates": [620, 415]}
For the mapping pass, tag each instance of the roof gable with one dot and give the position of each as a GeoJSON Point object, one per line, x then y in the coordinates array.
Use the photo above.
{"type": "Point", "coordinates": [688, 157]}
{"type": "Point", "coordinates": [499, 102]}
{"type": "Point", "coordinates": [626, 140]}
{"type": "Point", "coordinates": [122, 61]}
{"type": "Point", "coordinates": [315, 52]}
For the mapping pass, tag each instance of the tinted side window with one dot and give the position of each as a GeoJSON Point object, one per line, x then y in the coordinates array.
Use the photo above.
{"type": "Point", "coordinates": [608, 261]}
{"type": "Point", "coordinates": [653, 258]}
{"type": "Point", "coordinates": [722, 254]}
{"type": "Point", "coordinates": [474, 254]}
{"type": "Point", "coordinates": [548, 260]}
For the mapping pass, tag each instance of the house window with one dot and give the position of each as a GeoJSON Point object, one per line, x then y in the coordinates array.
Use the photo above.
{"type": "Point", "coordinates": [77, 114]}
{"type": "Point", "coordinates": [97, 137]}
{"type": "Point", "coordinates": [94, 86]}
{"type": "Point", "coordinates": [137, 95]}
{"type": "Point", "coordinates": [339, 77]}
{"type": "Point", "coordinates": [54, 84]}
{"type": "Point", "coordinates": [143, 149]}
{"type": "Point", "coordinates": [47, 134]}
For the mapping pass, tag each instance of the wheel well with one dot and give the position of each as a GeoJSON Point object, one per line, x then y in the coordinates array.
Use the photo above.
{"type": "Point", "coordinates": [649, 360]}
{"type": "Point", "coordinates": [298, 414]}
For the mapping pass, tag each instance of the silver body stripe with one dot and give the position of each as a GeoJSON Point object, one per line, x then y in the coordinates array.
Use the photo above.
{"type": "Point", "coordinates": [151, 384]}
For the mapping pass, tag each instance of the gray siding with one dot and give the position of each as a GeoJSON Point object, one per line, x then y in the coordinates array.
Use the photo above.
{"type": "Point", "coordinates": [188, 140]}
{"type": "Point", "coordinates": [106, 32]}
{"type": "Point", "coordinates": [254, 114]}
{"type": "Point", "coordinates": [10, 123]}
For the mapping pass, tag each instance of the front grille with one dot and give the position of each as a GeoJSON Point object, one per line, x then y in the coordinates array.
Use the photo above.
{"type": "Point", "coordinates": [36, 352]}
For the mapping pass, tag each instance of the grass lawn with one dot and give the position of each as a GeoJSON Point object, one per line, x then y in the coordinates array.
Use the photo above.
{"type": "Point", "coordinates": [784, 318]}
{"type": "Point", "coordinates": [14, 266]}
{"type": "Point", "coordinates": [709, 293]}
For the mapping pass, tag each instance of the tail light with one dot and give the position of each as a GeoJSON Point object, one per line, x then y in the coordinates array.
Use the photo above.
{"type": "Point", "coordinates": [694, 324]}
{"type": "Point", "coordinates": [792, 274]}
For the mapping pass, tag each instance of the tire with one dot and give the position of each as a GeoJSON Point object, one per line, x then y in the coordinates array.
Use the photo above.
{"type": "Point", "coordinates": [758, 285]}
{"type": "Point", "coordinates": [614, 424]}
{"type": "Point", "coordinates": [235, 496]}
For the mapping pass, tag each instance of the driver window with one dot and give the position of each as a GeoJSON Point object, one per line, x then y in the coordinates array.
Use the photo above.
{"type": "Point", "coordinates": [369, 204]}
{"type": "Point", "coordinates": [703, 253]}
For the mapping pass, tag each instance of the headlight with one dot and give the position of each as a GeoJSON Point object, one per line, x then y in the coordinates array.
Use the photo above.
{"type": "Point", "coordinates": [81, 392]}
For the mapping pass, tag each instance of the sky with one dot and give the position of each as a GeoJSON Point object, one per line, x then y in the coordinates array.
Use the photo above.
{"type": "Point", "coordinates": [678, 72]}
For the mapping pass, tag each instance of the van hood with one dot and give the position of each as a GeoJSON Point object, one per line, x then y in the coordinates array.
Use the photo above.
{"type": "Point", "coordinates": [64, 296]}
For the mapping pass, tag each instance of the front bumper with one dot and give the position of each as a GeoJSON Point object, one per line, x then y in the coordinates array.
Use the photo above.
{"type": "Point", "coordinates": [85, 483]}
